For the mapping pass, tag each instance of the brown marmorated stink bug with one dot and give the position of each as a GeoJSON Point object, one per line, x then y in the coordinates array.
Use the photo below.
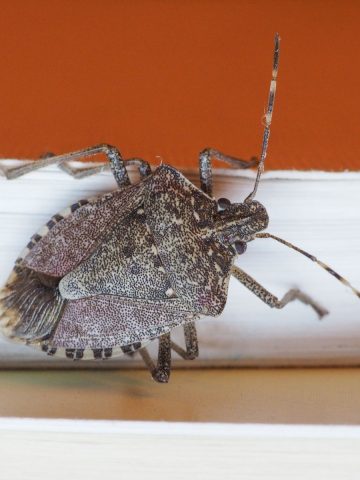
{"type": "Point", "coordinates": [110, 274]}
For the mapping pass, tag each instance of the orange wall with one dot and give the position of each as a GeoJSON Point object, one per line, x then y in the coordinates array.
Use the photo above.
{"type": "Point", "coordinates": [169, 78]}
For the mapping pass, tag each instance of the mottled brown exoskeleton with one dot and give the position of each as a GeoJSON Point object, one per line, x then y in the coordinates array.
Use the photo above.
{"type": "Point", "coordinates": [110, 274]}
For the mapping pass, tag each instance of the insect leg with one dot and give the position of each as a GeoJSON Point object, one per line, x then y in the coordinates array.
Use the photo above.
{"type": "Point", "coordinates": [160, 372]}
{"type": "Point", "coordinates": [116, 163]}
{"type": "Point", "coordinates": [191, 343]}
{"type": "Point", "coordinates": [272, 300]}
{"type": "Point", "coordinates": [205, 166]}
{"type": "Point", "coordinates": [79, 173]}
{"type": "Point", "coordinates": [143, 166]}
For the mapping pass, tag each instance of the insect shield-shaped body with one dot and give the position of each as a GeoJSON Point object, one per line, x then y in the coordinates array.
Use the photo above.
{"type": "Point", "coordinates": [110, 274]}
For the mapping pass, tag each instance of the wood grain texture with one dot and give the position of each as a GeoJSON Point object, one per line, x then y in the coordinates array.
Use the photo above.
{"type": "Point", "coordinates": [135, 428]}
{"type": "Point", "coordinates": [168, 79]}
{"type": "Point", "coordinates": [268, 396]}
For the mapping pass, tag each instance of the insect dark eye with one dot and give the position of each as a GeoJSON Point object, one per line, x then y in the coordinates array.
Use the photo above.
{"type": "Point", "coordinates": [223, 203]}
{"type": "Point", "coordinates": [240, 247]}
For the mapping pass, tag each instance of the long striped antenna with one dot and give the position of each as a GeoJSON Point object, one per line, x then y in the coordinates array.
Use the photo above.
{"type": "Point", "coordinates": [267, 118]}
{"type": "Point", "coordinates": [314, 259]}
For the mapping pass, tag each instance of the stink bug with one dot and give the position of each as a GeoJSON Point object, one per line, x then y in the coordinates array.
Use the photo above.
{"type": "Point", "coordinates": [110, 274]}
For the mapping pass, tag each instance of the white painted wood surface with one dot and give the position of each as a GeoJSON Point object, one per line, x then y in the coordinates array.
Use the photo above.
{"type": "Point", "coordinates": [317, 211]}
{"type": "Point", "coordinates": [112, 450]}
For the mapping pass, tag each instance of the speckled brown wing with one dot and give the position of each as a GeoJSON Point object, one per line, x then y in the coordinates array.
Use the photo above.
{"type": "Point", "coordinates": [114, 293]}
{"type": "Point", "coordinates": [109, 321]}
{"type": "Point", "coordinates": [100, 326]}
{"type": "Point", "coordinates": [71, 235]}
{"type": "Point", "coordinates": [179, 216]}
{"type": "Point", "coordinates": [125, 263]}
{"type": "Point", "coordinates": [30, 302]}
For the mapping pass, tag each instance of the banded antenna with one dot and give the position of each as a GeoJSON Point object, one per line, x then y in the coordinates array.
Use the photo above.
{"type": "Point", "coordinates": [267, 118]}
{"type": "Point", "coordinates": [312, 258]}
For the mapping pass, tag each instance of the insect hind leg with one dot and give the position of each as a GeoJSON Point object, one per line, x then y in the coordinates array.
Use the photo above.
{"type": "Point", "coordinates": [270, 299]}
{"type": "Point", "coordinates": [191, 343]}
{"type": "Point", "coordinates": [161, 371]}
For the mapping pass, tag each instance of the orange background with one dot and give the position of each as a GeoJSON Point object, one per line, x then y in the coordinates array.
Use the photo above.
{"type": "Point", "coordinates": [168, 78]}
